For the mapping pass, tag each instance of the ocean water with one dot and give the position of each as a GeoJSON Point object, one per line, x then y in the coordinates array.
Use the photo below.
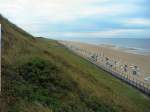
{"type": "Point", "coordinates": [134, 45]}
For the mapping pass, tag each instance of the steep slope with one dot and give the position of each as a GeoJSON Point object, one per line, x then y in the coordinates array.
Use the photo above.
{"type": "Point", "coordinates": [40, 75]}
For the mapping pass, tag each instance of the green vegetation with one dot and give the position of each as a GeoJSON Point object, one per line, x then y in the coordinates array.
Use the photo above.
{"type": "Point", "coordinates": [40, 75]}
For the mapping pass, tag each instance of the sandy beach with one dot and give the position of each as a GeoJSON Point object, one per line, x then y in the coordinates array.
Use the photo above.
{"type": "Point", "coordinates": [120, 55]}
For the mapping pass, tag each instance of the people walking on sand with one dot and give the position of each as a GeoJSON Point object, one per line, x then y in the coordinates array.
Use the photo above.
{"type": "Point", "coordinates": [135, 70]}
{"type": "Point", "coordinates": [125, 68]}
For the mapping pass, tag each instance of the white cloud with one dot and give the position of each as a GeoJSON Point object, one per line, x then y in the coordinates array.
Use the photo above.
{"type": "Point", "coordinates": [138, 21]}
{"type": "Point", "coordinates": [33, 14]}
{"type": "Point", "coordinates": [106, 34]}
{"type": "Point", "coordinates": [24, 11]}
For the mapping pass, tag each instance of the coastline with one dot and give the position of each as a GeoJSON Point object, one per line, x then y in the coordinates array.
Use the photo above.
{"type": "Point", "coordinates": [122, 55]}
{"type": "Point", "coordinates": [131, 50]}
{"type": "Point", "coordinates": [129, 45]}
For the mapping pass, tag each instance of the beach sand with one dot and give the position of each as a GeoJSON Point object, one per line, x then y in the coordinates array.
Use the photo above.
{"type": "Point", "coordinates": [118, 54]}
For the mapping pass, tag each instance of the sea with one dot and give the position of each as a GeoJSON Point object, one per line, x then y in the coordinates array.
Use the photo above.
{"type": "Point", "coordinates": [132, 45]}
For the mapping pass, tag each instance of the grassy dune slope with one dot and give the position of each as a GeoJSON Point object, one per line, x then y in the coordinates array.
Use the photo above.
{"type": "Point", "coordinates": [40, 75]}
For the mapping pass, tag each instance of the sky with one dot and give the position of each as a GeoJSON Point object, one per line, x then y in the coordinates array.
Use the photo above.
{"type": "Point", "coordinates": [66, 19]}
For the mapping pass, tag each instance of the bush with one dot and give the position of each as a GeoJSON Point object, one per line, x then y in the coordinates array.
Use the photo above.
{"type": "Point", "coordinates": [45, 74]}
{"type": "Point", "coordinates": [41, 81]}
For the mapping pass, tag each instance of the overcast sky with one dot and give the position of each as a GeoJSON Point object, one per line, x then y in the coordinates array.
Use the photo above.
{"type": "Point", "coordinates": [80, 18]}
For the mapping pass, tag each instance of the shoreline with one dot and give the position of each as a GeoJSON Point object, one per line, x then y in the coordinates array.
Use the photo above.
{"type": "Point", "coordinates": [132, 50]}
{"type": "Point", "coordinates": [120, 55]}
{"type": "Point", "coordinates": [128, 49]}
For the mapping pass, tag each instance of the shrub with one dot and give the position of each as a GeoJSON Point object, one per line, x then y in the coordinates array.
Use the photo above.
{"type": "Point", "coordinates": [42, 81]}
